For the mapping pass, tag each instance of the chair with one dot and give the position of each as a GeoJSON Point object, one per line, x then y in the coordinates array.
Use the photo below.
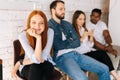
{"type": "Point", "coordinates": [17, 48]}
{"type": "Point", "coordinates": [0, 69]}
{"type": "Point", "coordinates": [17, 56]}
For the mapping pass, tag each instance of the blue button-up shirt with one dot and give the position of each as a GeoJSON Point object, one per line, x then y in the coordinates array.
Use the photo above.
{"type": "Point", "coordinates": [72, 39]}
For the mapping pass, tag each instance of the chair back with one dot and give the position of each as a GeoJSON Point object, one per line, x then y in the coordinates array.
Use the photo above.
{"type": "Point", "coordinates": [1, 69]}
{"type": "Point", "coordinates": [17, 49]}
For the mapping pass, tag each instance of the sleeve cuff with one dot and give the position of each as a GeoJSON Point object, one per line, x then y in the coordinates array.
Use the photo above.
{"type": "Point", "coordinates": [34, 60]}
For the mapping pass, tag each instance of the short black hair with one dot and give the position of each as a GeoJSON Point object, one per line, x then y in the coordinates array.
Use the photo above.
{"type": "Point", "coordinates": [54, 4]}
{"type": "Point", "coordinates": [97, 10]}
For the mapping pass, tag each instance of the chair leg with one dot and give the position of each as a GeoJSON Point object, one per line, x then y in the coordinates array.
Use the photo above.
{"type": "Point", "coordinates": [0, 69]}
{"type": "Point", "coordinates": [68, 78]}
{"type": "Point", "coordinates": [87, 73]}
{"type": "Point", "coordinates": [64, 76]}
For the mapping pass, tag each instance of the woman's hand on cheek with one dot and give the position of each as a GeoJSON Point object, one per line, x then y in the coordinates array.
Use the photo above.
{"type": "Point", "coordinates": [32, 32]}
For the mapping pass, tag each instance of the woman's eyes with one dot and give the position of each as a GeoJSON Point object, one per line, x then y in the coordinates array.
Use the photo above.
{"type": "Point", "coordinates": [41, 23]}
{"type": "Point", "coordinates": [81, 19]}
{"type": "Point", "coordinates": [33, 22]}
{"type": "Point", "coordinates": [38, 23]}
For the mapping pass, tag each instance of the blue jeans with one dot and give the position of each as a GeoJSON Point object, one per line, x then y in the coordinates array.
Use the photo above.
{"type": "Point", "coordinates": [72, 64]}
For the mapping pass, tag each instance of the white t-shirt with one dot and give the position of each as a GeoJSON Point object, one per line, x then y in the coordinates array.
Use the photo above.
{"type": "Point", "coordinates": [98, 30]}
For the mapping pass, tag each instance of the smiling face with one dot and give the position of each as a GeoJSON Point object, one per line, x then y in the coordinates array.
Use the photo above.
{"type": "Point", "coordinates": [80, 20]}
{"type": "Point", "coordinates": [37, 23]}
{"type": "Point", "coordinates": [95, 17]}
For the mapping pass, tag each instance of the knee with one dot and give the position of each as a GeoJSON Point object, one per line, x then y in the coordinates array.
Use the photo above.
{"type": "Point", "coordinates": [105, 69]}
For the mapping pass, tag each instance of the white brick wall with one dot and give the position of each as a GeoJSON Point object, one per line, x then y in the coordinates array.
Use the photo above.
{"type": "Point", "coordinates": [13, 15]}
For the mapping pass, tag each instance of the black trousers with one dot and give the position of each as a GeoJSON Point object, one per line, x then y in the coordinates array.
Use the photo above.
{"type": "Point", "coordinates": [101, 56]}
{"type": "Point", "coordinates": [40, 71]}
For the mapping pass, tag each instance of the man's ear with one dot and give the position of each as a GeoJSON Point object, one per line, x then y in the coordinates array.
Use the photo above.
{"type": "Point", "coordinates": [90, 15]}
{"type": "Point", "coordinates": [52, 10]}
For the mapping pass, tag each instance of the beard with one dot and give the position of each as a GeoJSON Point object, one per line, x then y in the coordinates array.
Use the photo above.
{"type": "Point", "coordinates": [94, 22]}
{"type": "Point", "coordinates": [60, 16]}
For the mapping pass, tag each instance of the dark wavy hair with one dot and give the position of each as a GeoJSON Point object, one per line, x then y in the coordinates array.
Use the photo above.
{"type": "Point", "coordinates": [74, 19]}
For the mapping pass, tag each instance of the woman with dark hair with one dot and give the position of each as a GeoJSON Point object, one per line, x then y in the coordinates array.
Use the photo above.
{"type": "Point", "coordinates": [36, 43]}
{"type": "Point", "coordinates": [86, 37]}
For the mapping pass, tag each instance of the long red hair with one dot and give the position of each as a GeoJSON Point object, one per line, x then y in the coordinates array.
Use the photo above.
{"type": "Point", "coordinates": [31, 39]}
